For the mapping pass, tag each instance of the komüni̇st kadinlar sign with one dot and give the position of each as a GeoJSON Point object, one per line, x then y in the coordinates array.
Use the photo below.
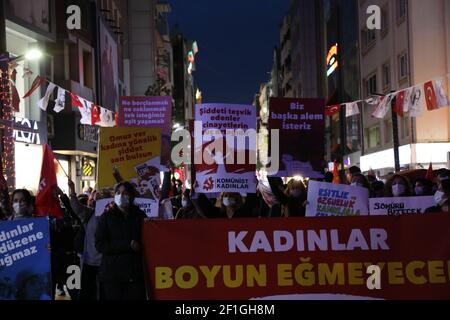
{"type": "Point", "coordinates": [225, 148]}
{"type": "Point", "coordinates": [299, 258]}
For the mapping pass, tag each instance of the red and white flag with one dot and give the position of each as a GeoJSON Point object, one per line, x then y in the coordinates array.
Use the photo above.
{"type": "Point", "coordinates": [399, 103]}
{"type": "Point", "coordinates": [38, 81]}
{"type": "Point", "coordinates": [430, 96]}
{"type": "Point", "coordinates": [95, 115]}
{"type": "Point", "coordinates": [331, 110]}
{"type": "Point", "coordinates": [383, 107]}
{"type": "Point", "coordinates": [76, 102]}
{"type": "Point", "coordinates": [47, 203]}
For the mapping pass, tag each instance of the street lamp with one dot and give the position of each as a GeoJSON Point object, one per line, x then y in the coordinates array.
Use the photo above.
{"type": "Point", "coordinates": [31, 55]}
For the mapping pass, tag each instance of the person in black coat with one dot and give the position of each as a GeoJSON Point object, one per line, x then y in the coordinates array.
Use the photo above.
{"type": "Point", "coordinates": [118, 238]}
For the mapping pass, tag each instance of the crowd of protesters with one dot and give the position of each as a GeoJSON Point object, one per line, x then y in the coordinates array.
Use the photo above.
{"type": "Point", "coordinates": [108, 247]}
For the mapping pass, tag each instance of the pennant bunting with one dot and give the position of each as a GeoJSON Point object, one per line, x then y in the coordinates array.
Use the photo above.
{"type": "Point", "coordinates": [383, 107]}
{"type": "Point", "coordinates": [399, 103]}
{"type": "Point", "coordinates": [351, 109]}
{"type": "Point", "coordinates": [107, 118]}
{"type": "Point", "coordinates": [60, 101]}
{"type": "Point", "coordinates": [38, 81]}
{"type": "Point", "coordinates": [75, 100]}
{"type": "Point", "coordinates": [441, 95]}
{"type": "Point", "coordinates": [85, 111]}
{"type": "Point", "coordinates": [95, 115]}
{"type": "Point", "coordinates": [416, 101]}
{"type": "Point", "coordinates": [332, 110]}
{"type": "Point", "coordinates": [43, 103]}
{"type": "Point", "coordinates": [430, 96]}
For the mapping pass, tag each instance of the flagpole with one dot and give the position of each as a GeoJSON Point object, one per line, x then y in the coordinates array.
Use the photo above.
{"type": "Point", "coordinates": [62, 168]}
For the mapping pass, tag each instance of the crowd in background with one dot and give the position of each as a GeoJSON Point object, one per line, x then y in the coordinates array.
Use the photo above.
{"type": "Point", "coordinates": [108, 247]}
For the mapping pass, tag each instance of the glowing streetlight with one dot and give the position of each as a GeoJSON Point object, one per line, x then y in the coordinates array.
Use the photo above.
{"type": "Point", "coordinates": [33, 54]}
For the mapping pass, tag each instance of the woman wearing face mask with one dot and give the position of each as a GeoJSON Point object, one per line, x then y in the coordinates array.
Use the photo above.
{"type": "Point", "coordinates": [292, 199]}
{"type": "Point", "coordinates": [441, 197]}
{"type": "Point", "coordinates": [398, 186]}
{"type": "Point", "coordinates": [359, 180]}
{"type": "Point", "coordinates": [232, 205]}
{"type": "Point", "coordinates": [118, 239]}
{"type": "Point", "coordinates": [188, 210]}
{"type": "Point", "coordinates": [423, 187]}
{"type": "Point", "coordinates": [21, 205]}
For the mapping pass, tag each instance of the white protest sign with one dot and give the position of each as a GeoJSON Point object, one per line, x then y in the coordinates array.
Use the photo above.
{"type": "Point", "coordinates": [149, 206]}
{"type": "Point", "coordinates": [400, 205]}
{"type": "Point", "coordinates": [327, 199]}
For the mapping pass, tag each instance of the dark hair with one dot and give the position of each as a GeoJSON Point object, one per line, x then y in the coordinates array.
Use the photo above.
{"type": "Point", "coordinates": [445, 184]}
{"type": "Point", "coordinates": [388, 187]}
{"type": "Point", "coordinates": [329, 177]}
{"type": "Point", "coordinates": [26, 194]}
{"type": "Point", "coordinates": [353, 170]}
{"type": "Point", "coordinates": [428, 185]}
{"type": "Point", "coordinates": [365, 181]}
{"type": "Point", "coordinates": [129, 188]}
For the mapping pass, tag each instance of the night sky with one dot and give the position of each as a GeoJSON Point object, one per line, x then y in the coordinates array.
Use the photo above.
{"type": "Point", "coordinates": [236, 40]}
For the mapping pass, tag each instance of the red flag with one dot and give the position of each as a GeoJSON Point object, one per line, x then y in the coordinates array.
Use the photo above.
{"type": "Point", "coordinates": [336, 179]}
{"type": "Point", "coordinates": [399, 103]}
{"type": "Point", "coordinates": [430, 173]}
{"type": "Point", "coordinates": [430, 96]}
{"type": "Point", "coordinates": [95, 115]}
{"type": "Point", "coordinates": [36, 84]}
{"type": "Point", "coordinates": [46, 200]}
{"type": "Point", "coordinates": [76, 102]}
{"type": "Point", "coordinates": [331, 110]}
{"type": "Point", "coordinates": [116, 117]}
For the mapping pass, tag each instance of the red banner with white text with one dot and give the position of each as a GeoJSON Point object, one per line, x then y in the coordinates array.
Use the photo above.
{"type": "Point", "coordinates": [298, 258]}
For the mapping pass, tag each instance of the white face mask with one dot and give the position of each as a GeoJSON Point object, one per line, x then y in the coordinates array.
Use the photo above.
{"type": "Point", "coordinates": [121, 200]}
{"type": "Point", "coordinates": [440, 198]}
{"type": "Point", "coordinates": [419, 191]}
{"type": "Point", "coordinates": [398, 190]}
{"type": "Point", "coordinates": [184, 203]}
{"type": "Point", "coordinates": [228, 202]}
{"type": "Point", "coordinates": [20, 209]}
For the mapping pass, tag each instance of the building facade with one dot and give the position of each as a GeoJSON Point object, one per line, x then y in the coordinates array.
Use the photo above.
{"type": "Point", "coordinates": [411, 48]}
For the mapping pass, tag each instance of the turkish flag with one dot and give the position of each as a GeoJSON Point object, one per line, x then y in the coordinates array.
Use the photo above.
{"type": "Point", "coordinates": [336, 178]}
{"type": "Point", "coordinates": [47, 203]}
{"type": "Point", "coordinates": [76, 102]}
{"type": "Point", "coordinates": [95, 115]}
{"type": "Point", "coordinates": [331, 110]}
{"type": "Point", "coordinates": [430, 173]}
{"type": "Point", "coordinates": [399, 103]}
{"type": "Point", "coordinates": [430, 96]}
{"type": "Point", "coordinates": [116, 118]}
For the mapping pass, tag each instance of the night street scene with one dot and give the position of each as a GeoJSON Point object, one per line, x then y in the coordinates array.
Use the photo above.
{"type": "Point", "coordinates": [224, 156]}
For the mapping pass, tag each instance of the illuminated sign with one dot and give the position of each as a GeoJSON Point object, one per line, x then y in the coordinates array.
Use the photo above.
{"type": "Point", "coordinates": [332, 61]}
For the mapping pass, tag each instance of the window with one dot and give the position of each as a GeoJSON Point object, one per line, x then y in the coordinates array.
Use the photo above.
{"type": "Point", "coordinates": [384, 21]}
{"type": "Point", "coordinates": [401, 10]}
{"type": "Point", "coordinates": [386, 76]}
{"type": "Point", "coordinates": [403, 66]}
{"type": "Point", "coordinates": [88, 69]}
{"type": "Point", "coordinates": [370, 86]}
{"type": "Point", "coordinates": [373, 137]}
{"type": "Point", "coordinates": [368, 38]}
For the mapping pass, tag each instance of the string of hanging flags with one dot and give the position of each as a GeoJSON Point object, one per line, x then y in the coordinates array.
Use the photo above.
{"type": "Point", "coordinates": [412, 101]}
{"type": "Point", "coordinates": [91, 114]}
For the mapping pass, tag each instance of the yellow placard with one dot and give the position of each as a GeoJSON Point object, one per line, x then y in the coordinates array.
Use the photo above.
{"type": "Point", "coordinates": [130, 150]}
